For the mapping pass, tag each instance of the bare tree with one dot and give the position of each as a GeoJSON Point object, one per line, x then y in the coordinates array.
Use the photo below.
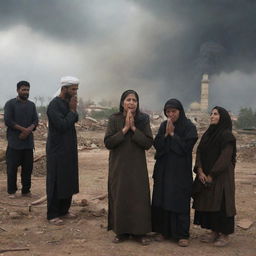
{"type": "Point", "coordinates": [35, 99]}
{"type": "Point", "coordinates": [42, 100]}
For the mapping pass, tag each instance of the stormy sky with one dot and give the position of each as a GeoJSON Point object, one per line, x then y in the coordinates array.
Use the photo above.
{"type": "Point", "coordinates": [159, 48]}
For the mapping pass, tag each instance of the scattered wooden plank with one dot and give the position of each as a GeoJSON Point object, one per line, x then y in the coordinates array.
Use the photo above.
{"type": "Point", "coordinates": [2, 229]}
{"type": "Point", "coordinates": [14, 250]}
{"type": "Point", "coordinates": [39, 201]}
{"type": "Point", "coordinates": [38, 158]}
{"type": "Point", "coordinates": [100, 197]}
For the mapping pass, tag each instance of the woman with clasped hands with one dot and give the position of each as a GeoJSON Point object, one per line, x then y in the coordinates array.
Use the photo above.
{"type": "Point", "coordinates": [214, 186]}
{"type": "Point", "coordinates": [127, 137]}
{"type": "Point", "coordinates": [173, 175]}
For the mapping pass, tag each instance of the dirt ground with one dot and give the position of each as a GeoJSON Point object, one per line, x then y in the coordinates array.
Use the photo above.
{"type": "Point", "coordinates": [87, 235]}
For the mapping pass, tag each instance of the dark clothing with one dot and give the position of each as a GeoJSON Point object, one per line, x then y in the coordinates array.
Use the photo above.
{"type": "Point", "coordinates": [173, 176]}
{"type": "Point", "coordinates": [15, 158]}
{"type": "Point", "coordinates": [214, 203]}
{"type": "Point", "coordinates": [61, 151]}
{"type": "Point", "coordinates": [19, 151]}
{"type": "Point", "coordinates": [128, 183]}
{"type": "Point", "coordinates": [17, 112]}
{"type": "Point", "coordinates": [216, 221]}
{"type": "Point", "coordinates": [215, 139]}
{"type": "Point", "coordinates": [216, 157]}
{"type": "Point", "coordinates": [209, 198]}
{"type": "Point", "coordinates": [170, 224]}
{"type": "Point", "coordinates": [173, 169]}
{"type": "Point", "coordinates": [57, 207]}
{"type": "Point", "coordinates": [182, 122]}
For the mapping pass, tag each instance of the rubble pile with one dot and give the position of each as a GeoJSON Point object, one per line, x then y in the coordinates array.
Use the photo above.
{"type": "Point", "coordinates": [86, 124]}
{"type": "Point", "coordinates": [89, 143]}
{"type": "Point", "coordinates": [201, 123]}
{"type": "Point", "coordinates": [246, 146]}
{"type": "Point", "coordinates": [90, 133]}
{"type": "Point", "coordinates": [91, 124]}
{"type": "Point", "coordinates": [246, 154]}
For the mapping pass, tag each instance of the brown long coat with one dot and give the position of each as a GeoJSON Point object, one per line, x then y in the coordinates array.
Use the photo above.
{"type": "Point", "coordinates": [210, 198]}
{"type": "Point", "coordinates": [128, 183]}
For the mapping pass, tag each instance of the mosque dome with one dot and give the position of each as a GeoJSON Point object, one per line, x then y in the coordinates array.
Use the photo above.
{"type": "Point", "coordinates": [195, 106]}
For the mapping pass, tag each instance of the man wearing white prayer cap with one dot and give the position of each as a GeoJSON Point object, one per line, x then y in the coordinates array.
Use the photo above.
{"type": "Point", "coordinates": [66, 81]}
{"type": "Point", "coordinates": [69, 80]}
{"type": "Point", "coordinates": [61, 152]}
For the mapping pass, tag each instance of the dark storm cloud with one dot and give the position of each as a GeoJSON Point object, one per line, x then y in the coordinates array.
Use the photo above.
{"type": "Point", "coordinates": [219, 36]}
{"type": "Point", "coordinates": [174, 43]}
{"type": "Point", "coordinates": [61, 19]}
{"type": "Point", "coordinates": [221, 33]}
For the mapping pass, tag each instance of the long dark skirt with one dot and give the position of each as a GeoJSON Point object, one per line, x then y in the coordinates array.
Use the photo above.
{"type": "Point", "coordinates": [170, 224]}
{"type": "Point", "coordinates": [216, 221]}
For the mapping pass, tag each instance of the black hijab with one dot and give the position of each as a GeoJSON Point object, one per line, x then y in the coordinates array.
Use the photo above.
{"type": "Point", "coordinates": [180, 124]}
{"type": "Point", "coordinates": [216, 137]}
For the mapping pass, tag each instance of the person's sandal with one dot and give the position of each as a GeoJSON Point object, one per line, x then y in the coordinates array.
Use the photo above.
{"type": "Point", "coordinates": [159, 238]}
{"type": "Point", "coordinates": [69, 215]}
{"type": "Point", "coordinates": [222, 241]}
{"type": "Point", "coordinates": [143, 240]}
{"type": "Point", "coordinates": [119, 239]}
{"type": "Point", "coordinates": [209, 237]}
{"type": "Point", "coordinates": [12, 196]}
{"type": "Point", "coordinates": [56, 221]}
{"type": "Point", "coordinates": [183, 242]}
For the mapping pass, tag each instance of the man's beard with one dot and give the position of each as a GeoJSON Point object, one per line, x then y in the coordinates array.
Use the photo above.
{"type": "Point", "coordinates": [67, 96]}
{"type": "Point", "coordinates": [24, 96]}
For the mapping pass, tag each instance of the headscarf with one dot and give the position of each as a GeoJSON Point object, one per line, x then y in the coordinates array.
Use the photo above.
{"type": "Point", "coordinates": [180, 124]}
{"type": "Point", "coordinates": [68, 81]}
{"type": "Point", "coordinates": [216, 137]}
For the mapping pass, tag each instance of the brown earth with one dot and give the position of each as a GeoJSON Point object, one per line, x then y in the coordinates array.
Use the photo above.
{"type": "Point", "coordinates": [87, 235]}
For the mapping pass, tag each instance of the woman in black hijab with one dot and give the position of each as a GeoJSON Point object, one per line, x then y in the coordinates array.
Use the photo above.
{"type": "Point", "coordinates": [127, 137]}
{"type": "Point", "coordinates": [214, 186]}
{"type": "Point", "coordinates": [173, 175]}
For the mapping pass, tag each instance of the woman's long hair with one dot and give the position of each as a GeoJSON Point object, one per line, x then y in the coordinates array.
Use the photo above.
{"type": "Point", "coordinates": [123, 97]}
{"type": "Point", "coordinates": [140, 118]}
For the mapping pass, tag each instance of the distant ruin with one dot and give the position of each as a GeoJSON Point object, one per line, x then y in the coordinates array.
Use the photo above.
{"type": "Point", "coordinates": [198, 111]}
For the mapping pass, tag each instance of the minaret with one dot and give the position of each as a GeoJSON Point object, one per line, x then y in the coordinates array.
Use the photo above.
{"type": "Point", "coordinates": [204, 93]}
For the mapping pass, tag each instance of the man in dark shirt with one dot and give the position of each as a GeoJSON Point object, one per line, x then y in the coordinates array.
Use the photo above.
{"type": "Point", "coordinates": [21, 119]}
{"type": "Point", "coordinates": [61, 152]}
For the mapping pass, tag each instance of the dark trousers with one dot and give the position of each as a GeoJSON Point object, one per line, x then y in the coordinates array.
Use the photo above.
{"type": "Point", "coordinates": [14, 159]}
{"type": "Point", "coordinates": [57, 207]}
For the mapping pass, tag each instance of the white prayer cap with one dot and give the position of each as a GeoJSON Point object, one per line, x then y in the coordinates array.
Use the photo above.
{"type": "Point", "coordinates": [68, 80]}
